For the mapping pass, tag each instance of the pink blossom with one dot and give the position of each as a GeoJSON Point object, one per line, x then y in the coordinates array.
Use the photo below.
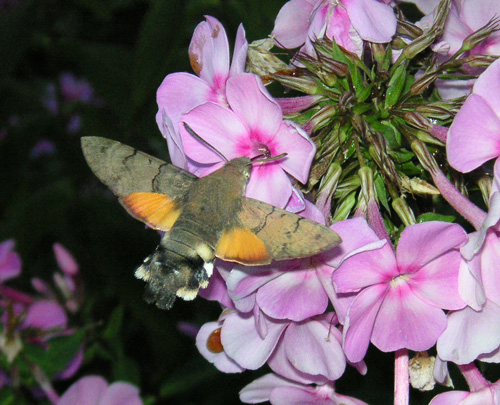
{"type": "Point", "coordinates": [399, 297]}
{"type": "Point", "coordinates": [305, 351]}
{"type": "Point", "coordinates": [94, 390]}
{"type": "Point", "coordinates": [281, 391]}
{"type": "Point", "coordinates": [43, 147]}
{"type": "Point", "coordinates": [75, 89]}
{"type": "Point", "coordinates": [10, 262]}
{"type": "Point", "coordinates": [474, 135]}
{"type": "Point", "coordinates": [464, 18]}
{"type": "Point", "coordinates": [480, 288]}
{"type": "Point", "coordinates": [348, 22]}
{"type": "Point", "coordinates": [65, 260]}
{"type": "Point", "coordinates": [252, 126]}
{"type": "Point", "coordinates": [482, 392]}
{"type": "Point", "coordinates": [181, 92]}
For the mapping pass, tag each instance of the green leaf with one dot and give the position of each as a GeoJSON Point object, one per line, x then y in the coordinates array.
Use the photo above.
{"type": "Point", "coordinates": [61, 350]}
{"type": "Point", "coordinates": [396, 86]}
{"type": "Point", "coordinates": [125, 369]}
{"type": "Point", "coordinates": [431, 216]}
{"type": "Point", "coordinates": [114, 326]}
{"type": "Point", "coordinates": [381, 192]}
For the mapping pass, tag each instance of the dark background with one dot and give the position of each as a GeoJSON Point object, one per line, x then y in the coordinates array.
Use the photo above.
{"type": "Point", "coordinates": [124, 49]}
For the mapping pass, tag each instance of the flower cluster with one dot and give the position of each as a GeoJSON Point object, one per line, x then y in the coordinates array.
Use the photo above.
{"type": "Point", "coordinates": [38, 343]}
{"type": "Point", "coordinates": [381, 119]}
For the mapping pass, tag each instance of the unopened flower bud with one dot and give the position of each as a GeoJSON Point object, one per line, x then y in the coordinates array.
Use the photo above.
{"type": "Point", "coordinates": [301, 83]}
{"type": "Point", "coordinates": [480, 35]}
{"type": "Point", "coordinates": [405, 213]}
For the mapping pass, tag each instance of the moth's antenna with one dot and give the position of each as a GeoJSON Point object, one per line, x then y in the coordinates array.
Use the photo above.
{"type": "Point", "coordinates": [200, 139]}
{"type": "Point", "coordinates": [267, 159]}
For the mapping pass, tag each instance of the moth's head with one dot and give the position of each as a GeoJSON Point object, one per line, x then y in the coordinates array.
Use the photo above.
{"type": "Point", "coordinates": [242, 166]}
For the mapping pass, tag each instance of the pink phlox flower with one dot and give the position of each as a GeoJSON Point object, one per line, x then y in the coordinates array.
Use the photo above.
{"type": "Point", "coordinates": [400, 297]}
{"type": "Point", "coordinates": [307, 350]}
{"type": "Point", "coordinates": [281, 391]}
{"type": "Point", "coordinates": [348, 22]}
{"type": "Point", "coordinates": [357, 237]}
{"type": "Point", "coordinates": [463, 19]}
{"type": "Point", "coordinates": [252, 126]}
{"type": "Point", "coordinates": [474, 135]}
{"type": "Point", "coordinates": [10, 262]}
{"type": "Point", "coordinates": [488, 395]}
{"type": "Point", "coordinates": [75, 89]}
{"type": "Point", "coordinates": [94, 390]}
{"type": "Point", "coordinates": [479, 287]}
{"type": "Point", "coordinates": [181, 92]}
{"type": "Point", "coordinates": [43, 147]}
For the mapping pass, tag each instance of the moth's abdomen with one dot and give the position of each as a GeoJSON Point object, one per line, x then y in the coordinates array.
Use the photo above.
{"type": "Point", "coordinates": [179, 267]}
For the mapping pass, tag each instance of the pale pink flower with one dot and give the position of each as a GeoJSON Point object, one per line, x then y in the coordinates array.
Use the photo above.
{"type": "Point", "coordinates": [474, 135]}
{"type": "Point", "coordinates": [181, 92]}
{"type": "Point", "coordinates": [400, 297]}
{"type": "Point", "coordinates": [252, 126]}
{"type": "Point", "coordinates": [464, 18]}
{"type": "Point", "coordinates": [479, 286]}
{"type": "Point", "coordinates": [281, 391]}
{"type": "Point", "coordinates": [94, 390]}
{"type": "Point", "coordinates": [10, 262]}
{"type": "Point", "coordinates": [348, 22]}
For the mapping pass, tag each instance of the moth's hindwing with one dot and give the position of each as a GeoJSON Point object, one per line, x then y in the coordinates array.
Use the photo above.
{"type": "Point", "coordinates": [286, 235]}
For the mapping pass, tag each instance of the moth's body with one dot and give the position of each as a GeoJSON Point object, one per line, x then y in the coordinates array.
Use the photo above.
{"type": "Point", "coordinates": [203, 218]}
{"type": "Point", "coordinates": [210, 206]}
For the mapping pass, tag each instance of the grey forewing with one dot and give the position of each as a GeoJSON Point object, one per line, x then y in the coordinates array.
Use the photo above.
{"type": "Point", "coordinates": [126, 170]}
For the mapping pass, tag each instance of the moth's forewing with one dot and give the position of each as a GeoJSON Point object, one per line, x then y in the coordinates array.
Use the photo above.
{"type": "Point", "coordinates": [286, 235]}
{"type": "Point", "coordinates": [126, 170]}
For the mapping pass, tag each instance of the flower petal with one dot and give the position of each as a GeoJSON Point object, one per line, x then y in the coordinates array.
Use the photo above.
{"type": "Point", "coordinates": [242, 342]}
{"type": "Point", "coordinates": [251, 102]}
{"type": "Point", "coordinates": [488, 83]}
{"type": "Point", "coordinates": [474, 135]}
{"type": "Point", "coordinates": [292, 23]}
{"type": "Point", "coordinates": [86, 391]}
{"type": "Point", "coordinates": [360, 320]}
{"type": "Point", "coordinates": [180, 93]}
{"type": "Point", "coordinates": [470, 333]}
{"type": "Point", "coordinates": [437, 282]}
{"type": "Point", "coordinates": [405, 321]}
{"type": "Point", "coordinates": [299, 149]}
{"type": "Point", "coordinates": [45, 315]}
{"type": "Point", "coordinates": [295, 295]}
{"type": "Point", "coordinates": [373, 20]}
{"type": "Point", "coordinates": [218, 126]}
{"type": "Point", "coordinates": [365, 269]}
{"type": "Point", "coordinates": [422, 243]}
{"type": "Point", "coordinates": [10, 262]}
{"type": "Point", "coordinates": [209, 52]}
{"type": "Point", "coordinates": [314, 349]}
{"type": "Point", "coordinates": [66, 262]}
{"type": "Point", "coordinates": [240, 52]}
{"type": "Point", "coordinates": [121, 393]}
{"type": "Point", "coordinates": [260, 389]}
{"type": "Point", "coordinates": [269, 183]}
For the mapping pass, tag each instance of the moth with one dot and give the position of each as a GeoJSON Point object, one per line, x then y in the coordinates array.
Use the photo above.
{"type": "Point", "coordinates": [204, 218]}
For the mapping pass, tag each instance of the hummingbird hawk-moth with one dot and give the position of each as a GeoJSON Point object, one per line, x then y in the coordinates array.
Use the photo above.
{"type": "Point", "coordinates": [204, 218]}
